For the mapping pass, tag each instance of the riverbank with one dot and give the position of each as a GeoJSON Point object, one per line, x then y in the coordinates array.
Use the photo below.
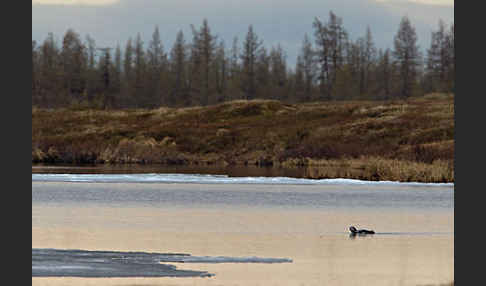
{"type": "Point", "coordinates": [409, 140]}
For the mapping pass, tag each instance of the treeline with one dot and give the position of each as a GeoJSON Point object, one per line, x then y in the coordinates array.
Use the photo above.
{"type": "Point", "coordinates": [203, 70]}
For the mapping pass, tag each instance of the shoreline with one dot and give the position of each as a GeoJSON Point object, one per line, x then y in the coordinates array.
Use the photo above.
{"type": "Point", "coordinates": [372, 170]}
{"type": "Point", "coordinates": [209, 179]}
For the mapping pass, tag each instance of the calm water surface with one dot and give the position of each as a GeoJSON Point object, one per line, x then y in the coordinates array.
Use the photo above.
{"type": "Point", "coordinates": [306, 223]}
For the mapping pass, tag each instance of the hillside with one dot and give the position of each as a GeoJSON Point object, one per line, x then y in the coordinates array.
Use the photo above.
{"type": "Point", "coordinates": [410, 140]}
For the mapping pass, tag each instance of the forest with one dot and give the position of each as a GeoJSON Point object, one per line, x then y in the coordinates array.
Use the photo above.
{"type": "Point", "coordinates": [201, 69]}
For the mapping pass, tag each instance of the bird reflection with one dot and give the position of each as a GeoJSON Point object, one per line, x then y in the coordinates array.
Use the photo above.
{"type": "Point", "coordinates": [354, 235]}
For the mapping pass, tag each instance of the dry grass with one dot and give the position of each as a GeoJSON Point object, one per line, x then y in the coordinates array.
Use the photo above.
{"type": "Point", "coordinates": [403, 140]}
{"type": "Point", "coordinates": [376, 169]}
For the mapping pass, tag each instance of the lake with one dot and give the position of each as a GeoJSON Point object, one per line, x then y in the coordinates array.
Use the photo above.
{"type": "Point", "coordinates": [242, 230]}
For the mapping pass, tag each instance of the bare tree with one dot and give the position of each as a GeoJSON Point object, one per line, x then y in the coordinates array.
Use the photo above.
{"type": "Point", "coordinates": [220, 68]}
{"type": "Point", "coordinates": [278, 70]}
{"type": "Point", "coordinates": [139, 68]}
{"type": "Point", "coordinates": [117, 70]}
{"type": "Point", "coordinates": [262, 74]}
{"type": "Point", "coordinates": [308, 63]}
{"type": "Point", "coordinates": [74, 64]}
{"type": "Point", "coordinates": [407, 56]}
{"type": "Point", "coordinates": [202, 55]}
{"type": "Point", "coordinates": [249, 59]}
{"type": "Point", "coordinates": [106, 68]}
{"type": "Point", "coordinates": [369, 58]}
{"type": "Point", "coordinates": [178, 59]}
{"type": "Point", "coordinates": [156, 63]}
{"type": "Point", "coordinates": [50, 73]}
{"type": "Point", "coordinates": [384, 74]}
{"type": "Point", "coordinates": [331, 41]}
{"type": "Point", "coordinates": [203, 71]}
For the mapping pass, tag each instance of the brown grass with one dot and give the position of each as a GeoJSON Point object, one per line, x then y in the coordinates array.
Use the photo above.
{"type": "Point", "coordinates": [399, 140]}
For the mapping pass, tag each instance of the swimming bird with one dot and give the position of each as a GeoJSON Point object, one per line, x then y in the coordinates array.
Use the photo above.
{"type": "Point", "coordinates": [360, 231]}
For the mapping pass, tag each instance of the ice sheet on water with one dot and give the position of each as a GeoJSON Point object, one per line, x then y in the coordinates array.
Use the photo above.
{"type": "Point", "coordinates": [224, 259]}
{"type": "Point", "coordinates": [83, 263]}
{"type": "Point", "coordinates": [211, 179]}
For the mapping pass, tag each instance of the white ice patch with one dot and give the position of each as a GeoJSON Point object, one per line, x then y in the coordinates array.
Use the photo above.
{"type": "Point", "coordinates": [83, 263]}
{"type": "Point", "coordinates": [211, 179]}
{"type": "Point", "coordinates": [59, 267]}
{"type": "Point", "coordinates": [225, 259]}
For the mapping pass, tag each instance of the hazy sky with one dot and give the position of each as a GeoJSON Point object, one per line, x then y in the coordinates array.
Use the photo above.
{"type": "Point", "coordinates": [275, 21]}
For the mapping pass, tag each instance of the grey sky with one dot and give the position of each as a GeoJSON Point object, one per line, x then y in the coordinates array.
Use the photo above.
{"type": "Point", "coordinates": [275, 21]}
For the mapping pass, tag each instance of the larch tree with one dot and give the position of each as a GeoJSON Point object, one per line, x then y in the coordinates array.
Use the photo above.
{"type": "Point", "coordinates": [178, 71]}
{"type": "Point", "coordinates": [117, 74]}
{"type": "Point", "coordinates": [50, 73]}
{"type": "Point", "coordinates": [207, 48]}
{"type": "Point", "coordinates": [385, 74]}
{"type": "Point", "coordinates": [342, 88]}
{"type": "Point", "coordinates": [262, 74]}
{"type": "Point", "coordinates": [195, 80]}
{"type": "Point", "coordinates": [298, 80]}
{"type": "Point", "coordinates": [220, 69]}
{"type": "Point", "coordinates": [369, 59]}
{"type": "Point", "coordinates": [337, 42]}
{"type": "Point", "coordinates": [35, 70]}
{"type": "Point", "coordinates": [234, 76]}
{"type": "Point", "coordinates": [309, 68]}
{"type": "Point", "coordinates": [354, 61]}
{"type": "Point", "coordinates": [249, 59]}
{"type": "Point", "coordinates": [73, 64]}
{"type": "Point", "coordinates": [105, 68]}
{"type": "Point", "coordinates": [441, 59]}
{"type": "Point", "coordinates": [361, 66]}
{"type": "Point", "coordinates": [437, 58]}
{"type": "Point", "coordinates": [322, 54]}
{"type": "Point", "coordinates": [451, 64]}
{"type": "Point", "coordinates": [330, 41]}
{"type": "Point", "coordinates": [127, 85]}
{"type": "Point", "coordinates": [91, 71]}
{"type": "Point", "coordinates": [278, 70]}
{"type": "Point", "coordinates": [407, 56]}
{"type": "Point", "coordinates": [156, 63]}
{"type": "Point", "coordinates": [139, 72]}
{"type": "Point", "coordinates": [451, 75]}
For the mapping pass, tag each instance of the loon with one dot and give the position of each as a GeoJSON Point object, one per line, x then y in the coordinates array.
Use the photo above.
{"type": "Point", "coordinates": [360, 231]}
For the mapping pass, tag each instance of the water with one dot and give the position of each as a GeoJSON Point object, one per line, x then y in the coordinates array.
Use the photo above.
{"type": "Point", "coordinates": [232, 220]}
{"type": "Point", "coordinates": [229, 192]}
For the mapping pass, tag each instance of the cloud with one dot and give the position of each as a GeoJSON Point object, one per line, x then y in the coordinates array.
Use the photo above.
{"type": "Point", "coordinates": [274, 21]}
{"type": "Point", "coordinates": [425, 13]}
{"type": "Point", "coordinates": [74, 2]}
{"type": "Point", "coordinates": [425, 2]}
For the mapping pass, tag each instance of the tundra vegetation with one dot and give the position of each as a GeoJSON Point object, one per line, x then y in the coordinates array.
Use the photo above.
{"type": "Point", "coordinates": [399, 140]}
{"type": "Point", "coordinates": [347, 109]}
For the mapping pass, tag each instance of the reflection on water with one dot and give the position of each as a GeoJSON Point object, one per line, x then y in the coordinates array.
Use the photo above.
{"type": "Point", "coordinates": [232, 171]}
{"type": "Point", "coordinates": [353, 235]}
